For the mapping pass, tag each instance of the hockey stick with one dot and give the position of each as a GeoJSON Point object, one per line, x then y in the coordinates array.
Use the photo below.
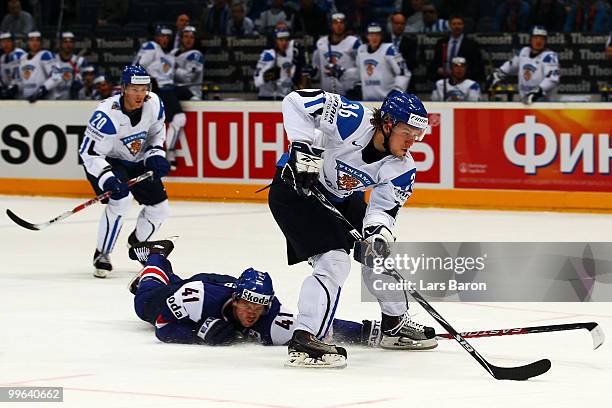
{"type": "Point", "coordinates": [500, 373]}
{"type": "Point", "coordinates": [37, 227]}
{"type": "Point", "coordinates": [597, 333]}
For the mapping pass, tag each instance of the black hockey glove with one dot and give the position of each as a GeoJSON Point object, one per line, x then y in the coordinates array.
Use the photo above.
{"type": "Point", "coordinates": [302, 169]}
{"type": "Point", "coordinates": [334, 70]}
{"type": "Point", "coordinates": [118, 188]}
{"type": "Point", "coordinates": [39, 94]}
{"type": "Point", "coordinates": [272, 74]}
{"type": "Point", "coordinates": [493, 79]}
{"type": "Point", "coordinates": [216, 332]}
{"type": "Point", "coordinates": [159, 165]}
{"type": "Point", "coordinates": [376, 244]}
{"type": "Point", "coordinates": [533, 96]}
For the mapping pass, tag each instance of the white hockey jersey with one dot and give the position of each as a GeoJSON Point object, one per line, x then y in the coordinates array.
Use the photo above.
{"type": "Point", "coordinates": [466, 90]}
{"type": "Point", "coordinates": [110, 133]}
{"type": "Point", "coordinates": [9, 66]}
{"type": "Point", "coordinates": [35, 71]}
{"type": "Point", "coordinates": [541, 71]}
{"type": "Point", "coordinates": [65, 73]}
{"type": "Point", "coordinates": [269, 59]}
{"type": "Point", "coordinates": [381, 71]}
{"type": "Point", "coordinates": [342, 127]}
{"type": "Point", "coordinates": [189, 69]}
{"type": "Point", "coordinates": [159, 64]}
{"type": "Point", "coordinates": [343, 54]}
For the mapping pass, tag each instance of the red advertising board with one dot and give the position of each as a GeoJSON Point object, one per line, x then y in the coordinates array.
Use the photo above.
{"type": "Point", "coordinates": [528, 149]}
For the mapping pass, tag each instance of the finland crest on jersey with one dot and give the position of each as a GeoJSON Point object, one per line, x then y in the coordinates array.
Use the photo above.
{"type": "Point", "coordinates": [134, 142]}
{"type": "Point", "coordinates": [349, 178]}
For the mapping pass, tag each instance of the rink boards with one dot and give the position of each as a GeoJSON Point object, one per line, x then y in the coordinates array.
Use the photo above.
{"type": "Point", "coordinates": [551, 156]}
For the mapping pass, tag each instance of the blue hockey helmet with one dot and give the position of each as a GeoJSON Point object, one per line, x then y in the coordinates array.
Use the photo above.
{"type": "Point", "coordinates": [255, 287]}
{"type": "Point", "coordinates": [400, 106]}
{"type": "Point", "coordinates": [135, 75]}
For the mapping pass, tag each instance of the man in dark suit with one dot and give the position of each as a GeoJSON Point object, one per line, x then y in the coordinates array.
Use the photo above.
{"type": "Point", "coordinates": [406, 45]}
{"type": "Point", "coordinates": [457, 45]}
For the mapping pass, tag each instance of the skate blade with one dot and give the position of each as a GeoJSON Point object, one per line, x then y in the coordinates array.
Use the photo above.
{"type": "Point", "coordinates": [100, 273]}
{"type": "Point", "coordinates": [132, 285]}
{"type": "Point", "coordinates": [302, 360]}
{"type": "Point", "coordinates": [406, 343]}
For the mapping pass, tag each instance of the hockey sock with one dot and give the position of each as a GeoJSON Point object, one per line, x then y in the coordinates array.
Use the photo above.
{"type": "Point", "coordinates": [111, 222]}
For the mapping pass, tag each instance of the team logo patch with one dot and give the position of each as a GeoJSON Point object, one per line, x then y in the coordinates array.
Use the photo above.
{"type": "Point", "coordinates": [67, 75]}
{"type": "Point", "coordinates": [26, 71]}
{"type": "Point", "coordinates": [333, 56]}
{"type": "Point", "coordinates": [349, 178]}
{"type": "Point", "coordinates": [134, 142]}
{"type": "Point", "coordinates": [528, 71]}
{"type": "Point", "coordinates": [370, 65]}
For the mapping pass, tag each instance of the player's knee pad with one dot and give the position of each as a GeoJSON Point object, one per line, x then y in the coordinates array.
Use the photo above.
{"type": "Point", "coordinates": [179, 121]}
{"type": "Point", "coordinates": [334, 265]}
{"type": "Point", "coordinates": [157, 213]}
{"type": "Point", "coordinates": [120, 207]}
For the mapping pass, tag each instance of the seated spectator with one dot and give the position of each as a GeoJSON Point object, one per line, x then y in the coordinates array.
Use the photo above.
{"type": "Point", "coordinates": [431, 22]}
{"type": "Point", "coordinates": [268, 18]}
{"type": "Point", "coordinates": [17, 21]}
{"type": "Point", "coordinates": [549, 14]}
{"type": "Point", "coordinates": [309, 20]}
{"type": "Point", "coordinates": [512, 16]}
{"type": "Point", "coordinates": [588, 16]}
{"type": "Point", "coordinates": [214, 19]}
{"type": "Point", "coordinates": [457, 87]}
{"type": "Point", "coordinates": [457, 45]}
{"type": "Point", "coordinates": [239, 25]}
{"type": "Point", "coordinates": [105, 88]}
{"type": "Point", "coordinates": [112, 12]}
{"type": "Point", "coordinates": [182, 21]}
{"type": "Point", "coordinates": [88, 91]}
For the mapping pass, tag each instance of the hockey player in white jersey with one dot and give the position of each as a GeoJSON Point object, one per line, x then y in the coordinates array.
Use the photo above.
{"type": "Point", "coordinates": [67, 70]}
{"type": "Point", "coordinates": [276, 70]}
{"type": "Point", "coordinates": [381, 67]}
{"type": "Point", "coordinates": [35, 70]}
{"type": "Point", "coordinates": [88, 91]}
{"type": "Point", "coordinates": [456, 88]}
{"type": "Point", "coordinates": [536, 66]}
{"type": "Point", "coordinates": [124, 139]}
{"type": "Point", "coordinates": [9, 66]}
{"type": "Point", "coordinates": [189, 65]}
{"type": "Point", "coordinates": [158, 60]}
{"type": "Point", "coordinates": [343, 149]}
{"type": "Point", "coordinates": [334, 58]}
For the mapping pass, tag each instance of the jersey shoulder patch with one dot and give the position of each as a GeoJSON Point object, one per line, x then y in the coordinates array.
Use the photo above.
{"type": "Point", "coordinates": [46, 56]}
{"type": "Point", "coordinates": [149, 45]}
{"type": "Point", "coordinates": [102, 124]}
{"type": "Point", "coordinates": [266, 56]}
{"type": "Point", "coordinates": [550, 57]}
{"type": "Point", "coordinates": [196, 56]}
{"type": "Point", "coordinates": [350, 116]}
{"type": "Point", "coordinates": [404, 183]}
{"type": "Point", "coordinates": [390, 50]}
{"type": "Point", "coordinates": [475, 86]}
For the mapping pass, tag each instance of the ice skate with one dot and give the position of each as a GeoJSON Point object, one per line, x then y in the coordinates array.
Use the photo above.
{"type": "Point", "coordinates": [306, 351]}
{"type": "Point", "coordinates": [401, 332]}
{"type": "Point", "coordinates": [140, 252]}
{"type": "Point", "coordinates": [102, 264]}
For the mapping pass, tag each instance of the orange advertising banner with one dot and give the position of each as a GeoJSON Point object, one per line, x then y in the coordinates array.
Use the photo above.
{"type": "Point", "coordinates": [528, 149]}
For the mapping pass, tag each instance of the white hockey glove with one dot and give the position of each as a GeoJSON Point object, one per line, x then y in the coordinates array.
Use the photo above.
{"type": "Point", "coordinates": [302, 169]}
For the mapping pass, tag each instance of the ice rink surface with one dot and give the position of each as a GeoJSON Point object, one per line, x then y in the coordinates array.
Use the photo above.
{"type": "Point", "coordinates": [62, 327]}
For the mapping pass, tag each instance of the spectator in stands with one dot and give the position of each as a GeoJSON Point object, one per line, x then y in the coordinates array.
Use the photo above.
{"type": "Point", "coordinates": [457, 87]}
{"type": "Point", "coordinates": [406, 45]}
{"type": "Point", "coordinates": [239, 25]}
{"type": "Point", "coordinates": [481, 15]}
{"type": "Point", "coordinates": [457, 45]}
{"type": "Point", "coordinates": [588, 16]}
{"type": "Point", "coordinates": [182, 21]}
{"type": "Point", "coordinates": [309, 20]}
{"type": "Point", "coordinates": [512, 16]}
{"type": "Point", "coordinates": [431, 22]}
{"type": "Point", "coordinates": [358, 14]}
{"type": "Point", "coordinates": [414, 22]}
{"type": "Point", "coordinates": [549, 14]}
{"type": "Point", "coordinates": [88, 91]}
{"type": "Point", "coordinates": [112, 12]}
{"type": "Point", "coordinates": [17, 21]}
{"type": "Point", "coordinates": [214, 19]}
{"type": "Point", "coordinates": [268, 18]}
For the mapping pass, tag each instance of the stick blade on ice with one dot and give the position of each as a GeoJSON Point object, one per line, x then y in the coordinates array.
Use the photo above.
{"type": "Point", "coordinates": [523, 372]}
{"type": "Point", "coordinates": [21, 222]}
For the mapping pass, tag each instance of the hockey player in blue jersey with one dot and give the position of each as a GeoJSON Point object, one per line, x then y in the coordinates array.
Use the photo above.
{"type": "Point", "coordinates": [344, 149]}
{"type": "Point", "coordinates": [123, 139]}
{"type": "Point", "coordinates": [216, 309]}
